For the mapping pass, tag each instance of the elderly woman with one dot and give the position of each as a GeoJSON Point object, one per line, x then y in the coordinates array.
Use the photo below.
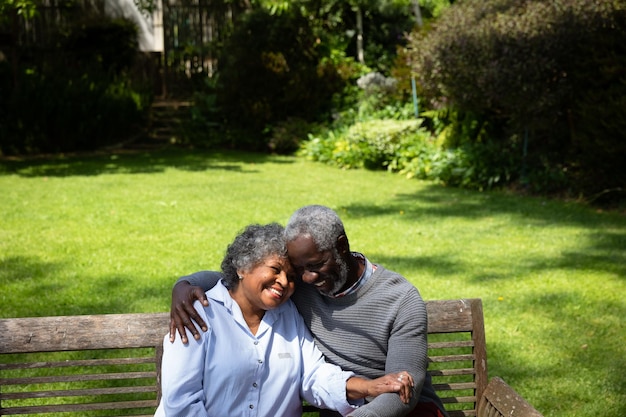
{"type": "Point", "coordinates": [258, 357]}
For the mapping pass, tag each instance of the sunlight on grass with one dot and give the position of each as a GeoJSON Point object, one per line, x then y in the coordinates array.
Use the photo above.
{"type": "Point", "coordinates": [110, 234]}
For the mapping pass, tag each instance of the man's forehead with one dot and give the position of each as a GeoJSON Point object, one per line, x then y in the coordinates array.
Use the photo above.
{"type": "Point", "coordinates": [303, 249]}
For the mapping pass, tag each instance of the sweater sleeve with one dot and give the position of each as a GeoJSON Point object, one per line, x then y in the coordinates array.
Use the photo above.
{"type": "Point", "coordinates": [407, 351]}
{"type": "Point", "coordinates": [204, 279]}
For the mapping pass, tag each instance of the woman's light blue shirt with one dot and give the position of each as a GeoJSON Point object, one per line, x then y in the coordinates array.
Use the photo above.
{"type": "Point", "coordinates": [231, 372]}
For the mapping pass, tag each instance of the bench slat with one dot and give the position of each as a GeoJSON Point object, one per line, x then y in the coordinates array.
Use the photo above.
{"type": "Point", "coordinates": [452, 358]}
{"type": "Point", "coordinates": [77, 363]}
{"type": "Point", "coordinates": [458, 400]}
{"type": "Point", "coordinates": [77, 378]}
{"type": "Point", "coordinates": [452, 372]}
{"type": "Point", "coordinates": [76, 392]}
{"type": "Point", "coordinates": [117, 405]}
{"type": "Point", "coordinates": [454, 386]}
{"type": "Point", "coordinates": [63, 333]}
{"type": "Point", "coordinates": [453, 344]}
{"type": "Point", "coordinates": [451, 316]}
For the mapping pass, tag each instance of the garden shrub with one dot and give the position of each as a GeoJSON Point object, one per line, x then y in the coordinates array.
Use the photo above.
{"type": "Point", "coordinates": [407, 147]}
{"type": "Point", "coordinates": [76, 94]}
{"type": "Point", "coordinates": [204, 128]}
{"type": "Point", "coordinates": [371, 144]}
{"type": "Point", "coordinates": [377, 93]}
{"type": "Point", "coordinates": [551, 72]}
{"type": "Point", "coordinates": [286, 136]}
{"type": "Point", "coordinates": [272, 69]}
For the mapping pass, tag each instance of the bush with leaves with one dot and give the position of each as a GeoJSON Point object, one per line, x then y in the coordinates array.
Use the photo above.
{"type": "Point", "coordinates": [551, 72]}
{"type": "Point", "coordinates": [406, 147]}
{"type": "Point", "coordinates": [371, 144]}
{"type": "Point", "coordinates": [272, 69]}
{"type": "Point", "coordinates": [76, 94]}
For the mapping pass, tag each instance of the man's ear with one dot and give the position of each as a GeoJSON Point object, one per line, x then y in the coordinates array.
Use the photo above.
{"type": "Point", "coordinates": [343, 246]}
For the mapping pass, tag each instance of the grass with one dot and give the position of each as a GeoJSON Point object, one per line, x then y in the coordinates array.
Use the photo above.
{"type": "Point", "coordinates": [111, 233]}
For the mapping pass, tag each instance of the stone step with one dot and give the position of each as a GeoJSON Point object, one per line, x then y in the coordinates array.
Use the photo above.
{"type": "Point", "coordinates": [166, 118]}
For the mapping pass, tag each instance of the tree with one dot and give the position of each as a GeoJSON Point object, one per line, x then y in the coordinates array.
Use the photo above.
{"type": "Point", "coordinates": [10, 10]}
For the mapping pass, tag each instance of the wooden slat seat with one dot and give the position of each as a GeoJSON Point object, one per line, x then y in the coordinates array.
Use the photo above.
{"type": "Point", "coordinates": [97, 365]}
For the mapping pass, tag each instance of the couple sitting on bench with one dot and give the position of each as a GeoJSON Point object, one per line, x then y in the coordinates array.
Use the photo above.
{"type": "Point", "coordinates": [256, 352]}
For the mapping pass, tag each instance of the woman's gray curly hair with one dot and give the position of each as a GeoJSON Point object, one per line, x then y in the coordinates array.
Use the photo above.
{"type": "Point", "coordinates": [251, 247]}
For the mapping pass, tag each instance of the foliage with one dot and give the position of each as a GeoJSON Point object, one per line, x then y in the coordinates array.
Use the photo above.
{"type": "Point", "coordinates": [286, 136]}
{"type": "Point", "coordinates": [271, 69]}
{"type": "Point", "coordinates": [85, 95]}
{"type": "Point", "coordinates": [548, 71]}
{"type": "Point", "coordinates": [370, 144]}
{"type": "Point", "coordinates": [296, 60]}
{"type": "Point", "coordinates": [385, 23]}
{"type": "Point", "coordinates": [432, 9]}
{"type": "Point", "coordinates": [82, 113]}
{"type": "Point", "coordinates": [109, 45]}
{"type": "Point", "coordinates": [468, 166]}
{"type": "Point", "coordinates": [26, 8]}
{"type": "Point", "coordinates": [377, 93]}
{"type": "Point", "coordinates": [204, 128]}
{"type": "Point", "coordinates": [407, 147]}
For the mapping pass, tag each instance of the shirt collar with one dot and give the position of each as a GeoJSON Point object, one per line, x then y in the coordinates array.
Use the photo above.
{"type": "Point", "coordinates": [367, 273]}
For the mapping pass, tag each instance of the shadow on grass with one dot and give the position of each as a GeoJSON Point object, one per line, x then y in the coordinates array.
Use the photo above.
{"type": "Point", "coordinates": [30, 288]}
{"type": "Point", "coordinates": [603, 250]}
{"type": "Point", "coordinates": [22, 269]}
{"type": "Point", "coordinates": [590, 349]}
{"type": "Point", "coordinates": [134, 163]}
{"type": "Point", "coordinates": [589, 342]}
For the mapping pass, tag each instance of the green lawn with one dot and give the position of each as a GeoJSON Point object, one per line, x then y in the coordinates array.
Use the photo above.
{"type": "Point", "coordinates": [110, 234]}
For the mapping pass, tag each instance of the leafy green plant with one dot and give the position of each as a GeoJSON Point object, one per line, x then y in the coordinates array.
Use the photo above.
{"type": "Point", "coordinates": [79, 95]}
{"type": "Point", "coordinates": [271, 69]}
{"type": "Point", "coordinates": [543, 70]}
{"type": "Point", "coordinates": [287, 136]}
{"type": "Point", "coordinates": [371, 144]}
{"type": "Point", "coordinates": [408, 148]}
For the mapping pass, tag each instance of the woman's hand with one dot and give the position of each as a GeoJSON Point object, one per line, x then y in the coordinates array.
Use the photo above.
{"type": "Point", "coordinates": [182, 311]}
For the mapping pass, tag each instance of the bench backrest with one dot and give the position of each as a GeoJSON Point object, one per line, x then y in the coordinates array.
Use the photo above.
{"type": "Point", "coordinates": [81, 365]}
{"type": "Point", "coordinates": [89, 365]}
{"type": "Point", "coordinates": [457, 353]}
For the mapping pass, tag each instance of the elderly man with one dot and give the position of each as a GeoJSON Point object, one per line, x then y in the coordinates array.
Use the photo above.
{"type": "Point", "coordinates": [364, 318]}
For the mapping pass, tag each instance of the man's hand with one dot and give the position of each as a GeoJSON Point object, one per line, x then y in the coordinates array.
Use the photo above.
{"type": "Point", "coordinates": [182, 311]}
{"type": "Point", "coordinates": [401, 382]}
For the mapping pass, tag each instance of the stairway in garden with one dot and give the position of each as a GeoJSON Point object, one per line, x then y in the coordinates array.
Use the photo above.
{"type": "Point", "coordinates": [165, 124]}
{"type": "Point", "coordinates": [166, 119]}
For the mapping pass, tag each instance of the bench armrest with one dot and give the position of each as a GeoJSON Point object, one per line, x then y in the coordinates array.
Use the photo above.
{"type": "Point", "coordinates": [499, 399]}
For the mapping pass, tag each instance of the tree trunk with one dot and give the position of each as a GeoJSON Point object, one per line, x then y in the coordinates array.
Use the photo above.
{"type": "Point", "coordinates": [13, 48]}
{"type": "Point", "coordinates": [359, 36]}
{"type": "Point", "coordinates": [417, 12]}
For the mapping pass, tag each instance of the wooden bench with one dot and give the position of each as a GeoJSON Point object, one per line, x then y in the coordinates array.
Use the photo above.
{"type": "Point", "coordinates": [104, 365]}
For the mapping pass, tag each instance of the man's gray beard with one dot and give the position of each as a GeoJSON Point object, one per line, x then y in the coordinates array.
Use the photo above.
{"type": "Point", "coordinates": [342, 278]}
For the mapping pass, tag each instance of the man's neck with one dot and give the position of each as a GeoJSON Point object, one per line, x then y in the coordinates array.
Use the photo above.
{"type": "Point", "coordinates": [356, 266]}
